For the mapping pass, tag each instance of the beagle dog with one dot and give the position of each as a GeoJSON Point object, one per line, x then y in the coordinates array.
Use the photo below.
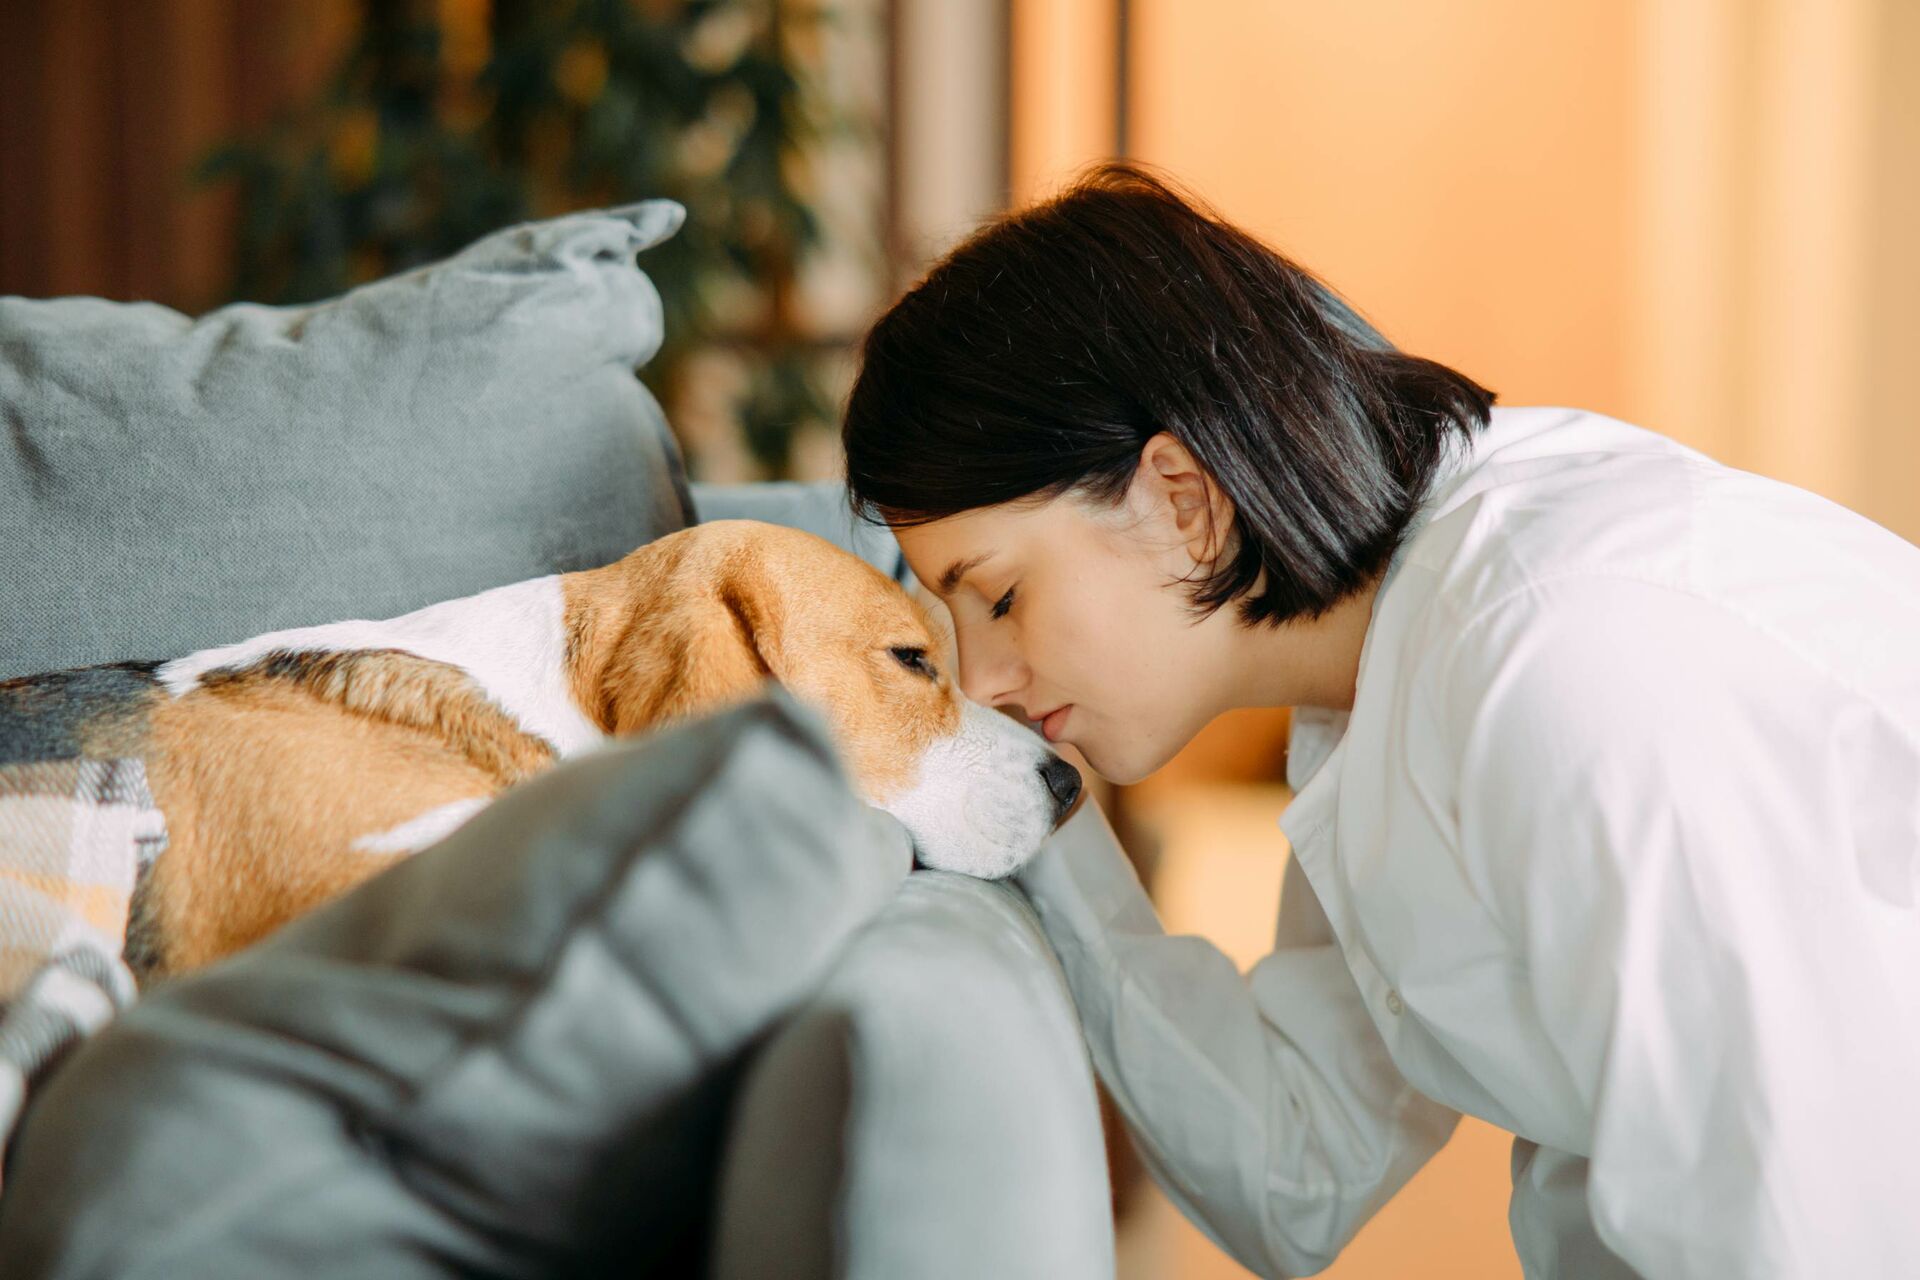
{"type": "Point", "coordinates": [292, 766]}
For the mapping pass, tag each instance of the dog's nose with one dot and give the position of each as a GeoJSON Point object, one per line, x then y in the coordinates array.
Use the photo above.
{"type": "Point", "coordinates": [1063, 783]}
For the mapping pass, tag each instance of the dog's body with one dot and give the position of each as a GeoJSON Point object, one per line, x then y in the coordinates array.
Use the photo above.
{"type": "Point", "coordinates": [294, 765]}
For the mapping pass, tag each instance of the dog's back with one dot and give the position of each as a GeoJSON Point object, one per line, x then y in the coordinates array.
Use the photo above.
{"type": "Point", "coordinates": [271, 776]}
{"type": "Point", "coordinates": [83, 713]}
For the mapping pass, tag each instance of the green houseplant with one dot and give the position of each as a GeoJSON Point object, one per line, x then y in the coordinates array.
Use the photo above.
{"type": "Point", "coordinates": [443, 121]}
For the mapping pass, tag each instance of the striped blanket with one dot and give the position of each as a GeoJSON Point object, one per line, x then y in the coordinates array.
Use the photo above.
{"type": "Point", "coordinates": [74, 836]}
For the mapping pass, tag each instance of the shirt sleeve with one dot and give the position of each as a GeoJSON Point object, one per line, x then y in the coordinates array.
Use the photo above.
{"type": "Point", "coordinates": [1649, 791]}
{"type": "Point", "coordinates": [1265, 1105]}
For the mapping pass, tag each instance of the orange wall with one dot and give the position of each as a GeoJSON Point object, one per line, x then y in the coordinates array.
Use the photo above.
{"type": "Point", "coordinates": [1062, 70]}
{"type": "Point", "coordinates": [1693, 216]}
{"type": "Point", "coordinates": [1457, 171]}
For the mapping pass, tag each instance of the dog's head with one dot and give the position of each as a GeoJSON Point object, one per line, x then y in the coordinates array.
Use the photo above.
{"type": "Point", "coordinates": [716, 610]}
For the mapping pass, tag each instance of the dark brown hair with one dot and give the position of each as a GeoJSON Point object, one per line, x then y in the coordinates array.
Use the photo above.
{"type": "Point", "coordinates": [1041, 353]}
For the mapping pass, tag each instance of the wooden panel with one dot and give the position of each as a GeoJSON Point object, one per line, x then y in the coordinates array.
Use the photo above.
{"type": "Point", "coordinates": [109, 105]}
{"type": "Point", "coordinates": [23, 248]}
{"type": "Point", "coordinates": [80, 192]}
{"type": "Point", "coordinates": [194, 49]}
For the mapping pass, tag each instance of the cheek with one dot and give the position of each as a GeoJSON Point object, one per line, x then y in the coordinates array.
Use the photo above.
{"type": "Point", "coordinates": [1102, 643]}
{"type": "Point", "coordinates": [886, 738]}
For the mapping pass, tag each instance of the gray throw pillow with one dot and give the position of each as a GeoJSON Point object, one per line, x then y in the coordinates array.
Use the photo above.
{"type": "Point", "coordinates": [817, 506]}
{"type": "Point", "coordinates": [510, 1055]}
{"type": "Point", "coordinates": [168, 484]}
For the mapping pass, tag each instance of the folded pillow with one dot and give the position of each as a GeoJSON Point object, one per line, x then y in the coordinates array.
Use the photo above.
{"type": "Point", "coordinates": [171, 484]}
{"type": "Point", "coordinates": [509, 1055]}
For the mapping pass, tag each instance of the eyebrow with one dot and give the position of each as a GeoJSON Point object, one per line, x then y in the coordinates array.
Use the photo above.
{"type": "Point", "coordinates": [957, 570]}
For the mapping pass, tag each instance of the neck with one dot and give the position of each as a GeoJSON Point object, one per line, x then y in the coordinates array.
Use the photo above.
{"type": "Point", "coordinates": [1309, 661]}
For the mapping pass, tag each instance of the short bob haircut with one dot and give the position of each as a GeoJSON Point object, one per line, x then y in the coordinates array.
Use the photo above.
{"type": "Point", "coordinates": [1038, 357]}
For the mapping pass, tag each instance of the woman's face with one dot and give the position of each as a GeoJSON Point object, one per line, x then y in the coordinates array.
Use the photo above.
{"type": "Point", "coordinates": [1061, 605]}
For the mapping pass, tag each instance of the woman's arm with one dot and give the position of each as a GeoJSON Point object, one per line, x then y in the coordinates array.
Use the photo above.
{"type": "Point", "coordinates": [1264, 1105]}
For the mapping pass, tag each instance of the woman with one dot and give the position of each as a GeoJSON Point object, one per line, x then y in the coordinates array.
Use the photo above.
{"type": "Point", "coordinates": [1606, 757]}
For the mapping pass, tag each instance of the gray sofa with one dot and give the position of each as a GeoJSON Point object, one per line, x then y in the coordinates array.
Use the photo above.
{"type": "Point", "coordinates": [678, 1008]}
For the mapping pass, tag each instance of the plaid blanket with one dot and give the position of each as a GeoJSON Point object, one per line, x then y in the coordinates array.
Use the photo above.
{"type": "Point", "coordinates": [74, 836]}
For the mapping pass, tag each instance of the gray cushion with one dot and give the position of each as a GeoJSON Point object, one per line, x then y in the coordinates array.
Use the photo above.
{"type": "Point", "coordinates": [817, 506]}
{"type": "Point", "coordinates": [509, 1055]}
{"type": "Point", "coordinates": [167, 484]}
{"type": "Point", "coordinates": [929, 1113]}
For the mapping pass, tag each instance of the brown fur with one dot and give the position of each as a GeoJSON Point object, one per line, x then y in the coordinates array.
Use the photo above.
{"type": "Point", "coordinates": [267, 775]}
{"type": "Point", "coordinates": [398, 688]}
{"type": "Point", "coordinates": [754, 602]}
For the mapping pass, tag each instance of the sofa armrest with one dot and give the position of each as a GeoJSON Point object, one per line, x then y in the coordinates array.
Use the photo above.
{"type": "Point", "coordinates": [817, 506]}
{"type": "Point", "coordinates": [930, 1112]}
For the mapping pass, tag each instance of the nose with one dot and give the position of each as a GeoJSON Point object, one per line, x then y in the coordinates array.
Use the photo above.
{"type": "Point", "coordinates": [986, 674]}
{"type": "Point", "coordinates": [1063, 784]}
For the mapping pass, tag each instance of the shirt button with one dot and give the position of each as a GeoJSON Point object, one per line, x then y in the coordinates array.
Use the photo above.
{"type": "Point", "coordinates": [1393, 1004]}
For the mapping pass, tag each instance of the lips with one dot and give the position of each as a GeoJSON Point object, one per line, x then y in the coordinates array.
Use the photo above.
{"type": "Point", "coordinates": [1054, 722]}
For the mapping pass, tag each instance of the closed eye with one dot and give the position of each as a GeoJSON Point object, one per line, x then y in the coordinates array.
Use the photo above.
{"type": "Point", "coordinates": [1005, 603]}
{"type": "Point", "coordinates": [915, 660]}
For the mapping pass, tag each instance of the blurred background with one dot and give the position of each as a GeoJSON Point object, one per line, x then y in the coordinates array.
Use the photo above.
{"type": "Point", "coordinates": [1696, 215]}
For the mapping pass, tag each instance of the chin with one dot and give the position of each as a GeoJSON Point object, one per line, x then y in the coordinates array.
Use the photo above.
{"type": "Point", "coordinates": [1118, 770]}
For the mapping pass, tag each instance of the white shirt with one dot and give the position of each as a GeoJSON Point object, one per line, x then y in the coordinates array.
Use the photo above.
{"type": "Point", "coordinates": [1618, 849]}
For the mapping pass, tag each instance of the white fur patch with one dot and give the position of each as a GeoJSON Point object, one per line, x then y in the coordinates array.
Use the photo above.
{"type": "Point", "coordinates": [979, 804]}
{"type": "Point", "coordinates": [511, 640]}
{"type": "Point", "coordinates": [429, 828]}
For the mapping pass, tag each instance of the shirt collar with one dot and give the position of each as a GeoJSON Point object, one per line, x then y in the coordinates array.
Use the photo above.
{"type": "Point", "coordinates": [1317, 735]}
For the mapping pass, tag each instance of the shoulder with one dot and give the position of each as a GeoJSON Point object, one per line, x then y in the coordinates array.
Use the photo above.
{"type": "Point", "coordinates": [1545, 495]}
{"type": "Point", "coordinates": [1555, 492]}
{"type": "Point", "coordinates": [1571, 665]}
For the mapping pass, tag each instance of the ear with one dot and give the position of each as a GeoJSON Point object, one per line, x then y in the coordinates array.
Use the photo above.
{"type": "Point", "coordinates": [730, 647]}
{"type": "Point", "coordinates": [757, 617]}
{"type": "Point", "coordinates": [1171, 488]}
{"type": "Point", "coordinates": [712, 649]}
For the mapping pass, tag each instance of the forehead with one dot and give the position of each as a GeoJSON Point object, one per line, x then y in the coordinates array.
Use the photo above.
{"type": "Point", "coordinates": [981, 535]}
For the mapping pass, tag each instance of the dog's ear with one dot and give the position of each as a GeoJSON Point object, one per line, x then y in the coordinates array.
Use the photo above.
{"type": "Point", "coordinates": [723, 650]}
{"type": "Point", "coordinates": [756, 616]}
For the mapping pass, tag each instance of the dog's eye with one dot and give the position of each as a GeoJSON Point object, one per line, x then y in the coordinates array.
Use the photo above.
{"type": "Point", "coordinates": [915, 660]}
